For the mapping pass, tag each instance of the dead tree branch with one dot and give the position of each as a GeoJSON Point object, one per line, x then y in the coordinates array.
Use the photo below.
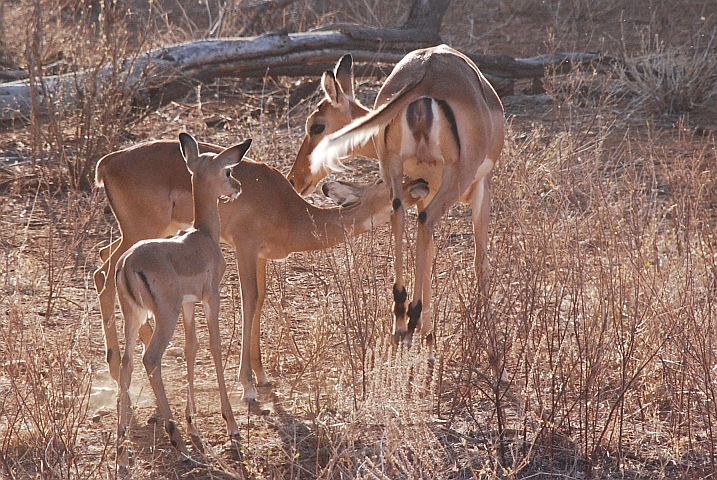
{"type": "Point", "coordinates": [167, 73]}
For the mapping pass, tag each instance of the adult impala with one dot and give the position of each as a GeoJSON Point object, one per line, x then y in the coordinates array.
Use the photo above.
{"type": "Point", "coordinates": [167, 276]}
{"type": "Point", "coordinates": [148, 188]}
{"type": "Point", "coordinates": [436, 117]}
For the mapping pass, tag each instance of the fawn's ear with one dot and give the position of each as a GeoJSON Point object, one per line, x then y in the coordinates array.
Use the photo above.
{"type": "Point", "coordinates": [344, 74]}
{"type": "Point", "coordinates": [188, 146]}
{"type": "Point", "coordinates": [344, 194]}
{"type": "Point", "coordinates": [233, 155]}
{"type": "Point", "coordinates": [418, 188]}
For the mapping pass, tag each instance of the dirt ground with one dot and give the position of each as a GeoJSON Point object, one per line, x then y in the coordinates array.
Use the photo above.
{"type": "Point", "coordinates": [307, 421]}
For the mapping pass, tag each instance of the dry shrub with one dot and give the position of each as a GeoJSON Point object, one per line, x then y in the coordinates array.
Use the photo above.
{"type": "Point", "coordinates": [603, 272]}
{"type": "Point", "coordinates": [76, 121]}
{"type": "Point", "coordinates": [45, 393]}
{"type": "Point", "coordinates": [45, 342]}
{"type": "Point", "coordinates": [666, 79]}
{"type": "Point", "coordinates": [389, 433]}
{"type": "Point", "coordinates": [601, 306]}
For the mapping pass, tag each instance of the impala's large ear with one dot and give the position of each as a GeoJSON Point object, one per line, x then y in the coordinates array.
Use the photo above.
{"type": "Point", "coordinates": [344, 194]}
{"type": "Point", "coordinates": [344, 74]}
{"type": "Point", "coordinates": [188, 146]}
{"type": "Point", "coordinates": [233, 155]}
{"type": "Point", "coordinates": [418, 188]}
{"type": "Point", "coordinates": [331, 87]}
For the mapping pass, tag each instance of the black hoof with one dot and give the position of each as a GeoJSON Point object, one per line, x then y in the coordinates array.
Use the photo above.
{"type": "Point", "coordinates": [197, 442]}
{"type": "Point", "coordinates": [187, 459]}
{"type": "Point", "coordinates": [256, 408]}
{"type": "Point", "coordinates": [236, 448]}
{"type": "Point", "coordinates": [414, 316]}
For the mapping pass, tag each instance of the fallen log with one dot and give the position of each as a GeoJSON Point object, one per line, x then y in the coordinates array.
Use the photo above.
{"type": "Point", "coordinates": [151, 76]}
{"type": "Point", "coordinates": [166, 73]}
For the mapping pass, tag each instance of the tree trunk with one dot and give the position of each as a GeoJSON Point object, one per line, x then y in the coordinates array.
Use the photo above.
{"type": "Point", "coordinates": [427, 15]}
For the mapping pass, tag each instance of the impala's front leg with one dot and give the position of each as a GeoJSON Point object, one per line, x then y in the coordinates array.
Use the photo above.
{"type": "Point", "coordinates": [211, 308]}
{"type": "Point", "coordinates": [191, 346]}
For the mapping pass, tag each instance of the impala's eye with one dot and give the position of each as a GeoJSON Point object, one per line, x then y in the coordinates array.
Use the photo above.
{"type": "Point", "coordinates": [316, 129]}
{"type": "Point", "coordinates": [229, 172]}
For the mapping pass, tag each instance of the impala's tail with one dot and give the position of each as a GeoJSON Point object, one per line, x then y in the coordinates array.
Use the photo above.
{"type": "Point", "coordinates": [136, 285]}
{"type": "Point", "coordinates": [327, 154]}
{"type": "Point", "coordinates": [99, 181]}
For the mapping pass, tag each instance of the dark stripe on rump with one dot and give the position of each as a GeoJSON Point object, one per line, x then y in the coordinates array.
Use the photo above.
{"type": "Point", "coordinates": [448, 112]}
{"type": "Point", "coordinates": [144, 279]}
{"type": "Point", "coordinates": [127, 283]}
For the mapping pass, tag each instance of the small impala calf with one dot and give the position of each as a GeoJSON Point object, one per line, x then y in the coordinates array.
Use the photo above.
{"type": "Point", "coordinates": [149, 190]}
{"type": "Point", "coordinates": [436, 117]}
{"type": "Point", "coordinates": [166, 276]}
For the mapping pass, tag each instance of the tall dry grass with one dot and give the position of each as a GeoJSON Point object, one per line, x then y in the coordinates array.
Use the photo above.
{"type": "Point", "coordinates": [600, 306]}
{"type": "Point", "coordinates": [46, 340]}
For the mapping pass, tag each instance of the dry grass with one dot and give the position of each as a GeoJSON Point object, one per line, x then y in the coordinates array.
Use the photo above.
{"type": "Point", "coordinates": [672, 79]}
{"type": "Point", "coordinates": [601, 303]}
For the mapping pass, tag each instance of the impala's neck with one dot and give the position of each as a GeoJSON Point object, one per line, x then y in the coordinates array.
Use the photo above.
{"type": "Point", "coordinates": [368, 149]}
{"type": "Point", "coordinates": [206, 213]}
{"type": "Point", "coordinates": [326, 227]}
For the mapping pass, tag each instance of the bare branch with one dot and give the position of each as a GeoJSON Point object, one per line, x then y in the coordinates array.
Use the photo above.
{"type": "Point", "coordinates": [166, 73]}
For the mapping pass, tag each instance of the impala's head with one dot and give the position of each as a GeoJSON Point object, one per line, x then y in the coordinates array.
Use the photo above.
{"type": "Point", "coordinates": [375, 194]}
{"type": "Point", "coordinates": [214, 170]}
{"type": "Point", "coordinates": [335, 111]}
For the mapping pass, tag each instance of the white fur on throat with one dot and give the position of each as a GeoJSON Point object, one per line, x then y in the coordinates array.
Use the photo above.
{"type": "Point", "coordinates": [328, 153]}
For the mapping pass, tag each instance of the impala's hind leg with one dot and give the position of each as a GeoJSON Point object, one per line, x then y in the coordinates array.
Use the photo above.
{"type": "Point", "coordinates": [166, 322]}
{"type": "Point", "coordinates": [104, 278]}
{"type": "Point", "coordinates": [105, 285]}
{"type": "Point", "coordinates": [480, 211]}
{"type": "Point", "coordinates": [426, 326]}
{"type": "Point", "coordinates": [134, 318]}
{"type": "Point", "coordinates": [190, 355]}
{"type": "Point", "coordinates": [394, 174]}
{"type": "Point", "coordinates": [480, 205]}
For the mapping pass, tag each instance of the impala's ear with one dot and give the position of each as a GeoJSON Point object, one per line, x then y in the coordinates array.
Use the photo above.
{"type": "Point", "coordinates": [418, 188]}
{"type": "Point", "coordinates": [342, 193]}
{"type": "Point", "coordinates": [330, 87]}
{"type": "Point", "coordinates": [189, 147]}
{"type": "Point", "coordinates": [344, 74]}
{"type": "Point", "coordinates": [233, 155]}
